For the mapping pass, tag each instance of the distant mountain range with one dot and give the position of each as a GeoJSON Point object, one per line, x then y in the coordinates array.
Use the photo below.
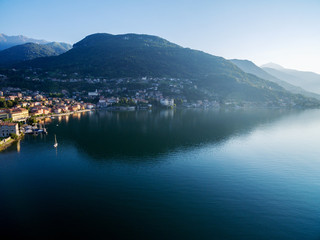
{"type": "Point", "coordinates": [134, 55]}
{"type": "Point", "coordinates": [30, 51]}
{"type": "Point", "coordinates": [307, 80]}
{"type": "Point", "coordinates": [10, 41]}
{"type": "Point", "coordinates": [249, 67]}
{"type": "Point", "coordinates": [137, 55]}
{"type": "Point", "coordinates": [21, 48]}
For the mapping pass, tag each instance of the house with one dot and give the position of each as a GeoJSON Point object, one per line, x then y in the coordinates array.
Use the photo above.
{"type": "Point", "coordinates": [57, 110]}
{"type": "Point", "coordinates": [93, 94]}
{"type": "Point", "coordinates": [112, 100]}
{"type": "Point", "coordinates": [24, 104]}
{"type": "Point", "coordinates": [90, 106]}
{"type": "Point", "coordinates": [73, 108]}
{"type": "Point", "coordinates": [38, 97]}
{"type": "Point", "coordinates": [65, 108]}
{"type": "Point", "coordinates": [28, 98]}
{"type": "Point", "coordinates": [6, 128]}
{"type": "Point", "coordinates": [11, 98]}
{"type": "Point", "coordinates": [4, 113]}
{"type": "Point", "coordinates": [46, 110]}
{"type": "Point", "coordinates": [102, 103]}
{"type": "Point", "coordinates": [167, 102]}
{"type": "Point", "coordinates": [36, 111]}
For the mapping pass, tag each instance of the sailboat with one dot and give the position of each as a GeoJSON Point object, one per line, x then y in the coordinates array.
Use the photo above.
{"type": "Point", "coordinates": [55, 141]}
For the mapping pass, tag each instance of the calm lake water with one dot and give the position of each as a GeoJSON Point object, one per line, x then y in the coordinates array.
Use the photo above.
{"type": "Point", "coordinates": [184, 174]}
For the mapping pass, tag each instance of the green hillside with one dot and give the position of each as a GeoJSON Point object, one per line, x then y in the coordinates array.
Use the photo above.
{"type": "Point", "coordinates": [30, 51]}
{"type": "Point", "coordinates": [134, 55]}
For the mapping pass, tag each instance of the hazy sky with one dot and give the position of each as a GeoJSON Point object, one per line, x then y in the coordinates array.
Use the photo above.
{"type": "Point", "coordinates": [286, 32]}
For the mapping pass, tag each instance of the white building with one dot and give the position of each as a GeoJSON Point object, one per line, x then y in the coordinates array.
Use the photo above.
{"type": "Point", "coordinates": [93, 94]}
{"type": "Point", "coordinates": [167, 102]}
{"type": "Point", "coordinates": [90, 106]}
{"type": "Point", "coordinates": [6, 128]}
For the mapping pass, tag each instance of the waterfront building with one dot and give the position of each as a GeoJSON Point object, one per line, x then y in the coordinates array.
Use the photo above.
{"type": "Point", "coordinates": [19, 114]}
{"type": "Point", "coordinates": [57, 110]}
{"type": "Point", "coordinates": [167, 102]}
{"type": "Point", "coordinates": [6, 128]}
{"type": "Point", "coordinates": [90, 106]}
{"type": "Point", "coordinates": [73, 108]}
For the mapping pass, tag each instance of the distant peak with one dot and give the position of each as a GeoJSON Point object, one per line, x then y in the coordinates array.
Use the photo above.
{"type": "Point", "coordinates": [241, 61]}
{"type": "Point", "coordinates": [128, 39]}
{"type": "Point", "coordinates": [272, 65]}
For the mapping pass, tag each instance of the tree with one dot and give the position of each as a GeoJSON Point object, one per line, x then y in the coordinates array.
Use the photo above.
{"type": "Point", "coordinates": [31, 120]}
{"type": "Point", "coordinates": [9, 104]}
{"type": "Point", "coordinates": [3, 103]}
{"type": "Point", "coordinates": [14, 136]}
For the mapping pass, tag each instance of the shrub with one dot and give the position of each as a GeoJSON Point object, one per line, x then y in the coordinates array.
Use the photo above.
{"type": "Point", "coordinates": [14, 136]}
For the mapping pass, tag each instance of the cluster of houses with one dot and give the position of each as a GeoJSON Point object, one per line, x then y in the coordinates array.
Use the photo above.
{"type": "Point", "coordinates": [33, 105]}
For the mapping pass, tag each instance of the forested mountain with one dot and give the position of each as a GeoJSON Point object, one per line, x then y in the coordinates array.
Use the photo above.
{"type": "Point", "coordinates": [30, 51]}
{"type": "Point", "coordinates": [135, 55]}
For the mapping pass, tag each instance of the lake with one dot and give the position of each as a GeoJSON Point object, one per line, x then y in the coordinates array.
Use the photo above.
{"type": "Point", "coordinates": [172, 174]}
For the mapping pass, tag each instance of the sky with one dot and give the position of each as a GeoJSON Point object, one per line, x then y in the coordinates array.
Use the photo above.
{"type": "Point", "coordinates": [286, 32]}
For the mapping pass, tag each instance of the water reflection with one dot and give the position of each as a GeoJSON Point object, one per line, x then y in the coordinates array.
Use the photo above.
{"type": "Point", "coordinates": [18, 146]}
{"type": "Point", "coordinates": [104, 134]}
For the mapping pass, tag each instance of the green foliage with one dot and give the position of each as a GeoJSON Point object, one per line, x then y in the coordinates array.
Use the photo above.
{"type": "Point", "coordinates": [30, 51]}
{"type": "Point", "coordinates": [125, 102]}
{"type": "Point", "coordinates": [3, 103]}
{"type": "Point", "coordinates": [14, 136]}
{"type": "Point", "coordinates": [58, 95]}
{"type": "Point", "coordinates": [8, 103]}
{"type": "Point", "coordinates": [31, 120]}
{"type": "Point", "coordinates": [132, 55]}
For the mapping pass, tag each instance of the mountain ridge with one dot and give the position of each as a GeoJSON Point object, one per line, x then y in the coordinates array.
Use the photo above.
{"type": "Point", "coordinates": [307, 80]}
{"type": "Point", "coordinates": [250, 67]}
{"type": "Point", "coordinates": [29, 51]}
{"type": "Point", "coordinates": [7, 41]}
{"type": "Point", "coordinates": [140, 55]}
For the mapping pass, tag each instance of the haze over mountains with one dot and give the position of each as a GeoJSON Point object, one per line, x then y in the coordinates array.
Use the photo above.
{"type": "Point", "coordinates": [10, 41]}
{"type": "Point", "coordinates": [307, 80]}
{"type": "Point", "coordinates": [138, 55]}
{"type": "Point", "coordinates": [250, 67]}
{"type": "Point", "coordinates": [20, 48]}
{"type": "Point", "coordinates": [30, 51]}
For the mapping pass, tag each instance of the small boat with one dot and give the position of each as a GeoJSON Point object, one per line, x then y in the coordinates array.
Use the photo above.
{"type": "Point", "coordinates": [55, 141]}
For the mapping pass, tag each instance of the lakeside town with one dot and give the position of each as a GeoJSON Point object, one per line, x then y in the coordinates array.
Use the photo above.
{"type": "Point", "coordinates": [43, 95]}
{"type": "Point", "coordinates": [20, 110]}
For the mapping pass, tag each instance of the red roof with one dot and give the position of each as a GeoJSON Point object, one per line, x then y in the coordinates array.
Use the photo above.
{"type": "Point", "coordinates": [8, 124]}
